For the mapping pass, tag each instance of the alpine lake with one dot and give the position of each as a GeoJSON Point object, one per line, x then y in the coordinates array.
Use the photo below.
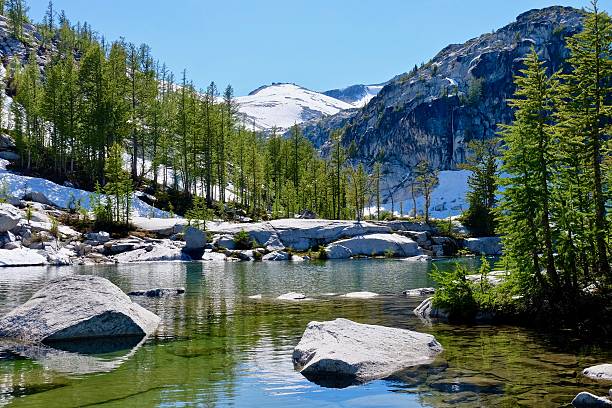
{"type": "Point", "coordinates": [218, 347]}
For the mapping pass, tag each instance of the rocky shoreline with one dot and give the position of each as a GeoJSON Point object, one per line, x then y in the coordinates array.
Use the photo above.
{"type": "Point", "coordinates": [30, 235]}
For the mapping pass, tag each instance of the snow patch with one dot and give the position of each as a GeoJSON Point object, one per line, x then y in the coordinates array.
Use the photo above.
{"type": "Point", "coordinates": [17, 186]}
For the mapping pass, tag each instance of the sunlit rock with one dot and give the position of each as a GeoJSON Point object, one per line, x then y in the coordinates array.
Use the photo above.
{"type": "Point", "coordinates": [77, 307]}
{"type": "Point", "coordinates": [341, 352]}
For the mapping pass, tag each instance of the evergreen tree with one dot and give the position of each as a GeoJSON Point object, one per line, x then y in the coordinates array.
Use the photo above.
{"type": "Point", "coordinates": [426, 179]}
{"type": "Point", "coordinates": [480, 217]}
{"type": "Point", "coordinates": [585, 114]}
{"type": "Point", "coordinates": [118, 186]}
{"type": "Point", "coordinates": [17, 11]}
{"type": "Point", "coordinates": [524, 213]}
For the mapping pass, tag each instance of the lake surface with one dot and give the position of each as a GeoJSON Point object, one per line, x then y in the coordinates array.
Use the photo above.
{"type": "Point", "coordinates": [216, 347]}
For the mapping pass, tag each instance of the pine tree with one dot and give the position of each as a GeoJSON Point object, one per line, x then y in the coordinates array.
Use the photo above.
{"type": "Point", "coordinates": [524, 213]}
{"type": "Point", "coordinates": [479, 217]}
{"type": "Point", "coordinates": [118, 186]}
{"type": "Point", "coordinates": [17, 11]}
{"type": "Point", "coordinates": [426, 179]}
{"type": "Point", "coordinates": [585, 116]}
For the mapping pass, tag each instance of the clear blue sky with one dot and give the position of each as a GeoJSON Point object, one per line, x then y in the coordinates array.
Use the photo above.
{"type": "Point", "coordinates": [319, 44]}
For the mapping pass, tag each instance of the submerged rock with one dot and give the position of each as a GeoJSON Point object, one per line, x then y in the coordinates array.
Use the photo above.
{"type": "Point", "coordinates": [158, 292]}
{"type": "Point", "coordinates": [426, 310]}
{"type": "Point", "coordinates": [361, 295]}
{"type": "Point", "coordinates": [77, 307]}
{"type": "Point", "coordinates": [419, 292]}
{"type": "Point", "coordinates": [341, 352]}
{"type": "Point", "coordinates": [601, 372]}
{"type": "Point", "coordinates": [373, 245]}
{"type": "Point", "coordinates": [292, 296]}
{"type": "Point", "coordinates": [588, 400]}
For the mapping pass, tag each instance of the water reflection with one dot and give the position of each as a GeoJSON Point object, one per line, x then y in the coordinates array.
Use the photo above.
{"type": "Point", "coordinates": [217, 347]}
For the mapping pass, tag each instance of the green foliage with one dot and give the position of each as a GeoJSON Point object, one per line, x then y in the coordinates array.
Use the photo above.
{"type": "Point", "coordinates": [389, 253]}
{"type": "Point", "coordinates": [257, 256]}
{"type": "Point", "coordinates": [480, 217]}
{"type": "Point", "coordinates": [118, 187]}
{"type": "Point", "coordinates": [553, 219]}
{"type": "Point", "coordinates": [474, 91]}
{"type": "Point", "coordinates": [4, 194]}
{"type": "Point", "coordinates": [322, 254]}
{"type": "Point", "coordinates": [243, 240]}
{"type": "Point", "coordinates": [29, 213]}
{"type": "Point", "coordinates": [425, 180]}
{"type": "Point", "coordinates": [455, 293]}
{"type": "Point", "coordinates": [199, 213]}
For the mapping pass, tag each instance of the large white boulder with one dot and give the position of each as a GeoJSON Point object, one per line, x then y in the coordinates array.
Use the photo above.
{"type": "Point", "coordinates": [195, 239]}
{"type": "Point", "coordinates": [300, 234]}
{"type": "Point", "coordinates": [77, 307]}
{"type": "Point", "coordinates": [276, 256]}
{"type": "Point", "coordinates": [373, 244]}
{"type": "Point", "coordinates": [21, 257]}
{"type": "Point", "coordinates": [155, 253]}
{"type": "Point", "coordinates": [484, 245]}
{"type": "Point", "coordinates": [601, 372]}
{"type": "Point", "coordinates": [9, 217]}
{"type": "Point", "coordinates": [341, 350]}
{"type": "Point", "coordinates": [162, 226]}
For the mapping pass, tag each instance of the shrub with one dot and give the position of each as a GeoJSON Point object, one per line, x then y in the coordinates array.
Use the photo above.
{"type": "Point", "coordinates": [454, 293]}
{"type": "Point", "coordinates": [322, 254]}
{"type": "Point", "coordinates": [389, 253]}
{"type": "Point", "coordinates": [242, 239]}
{"type": "Point", "coordinates": [257, 255]}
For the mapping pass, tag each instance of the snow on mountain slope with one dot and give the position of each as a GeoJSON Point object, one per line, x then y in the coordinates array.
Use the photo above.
{"type": "Point", "coordinates": [448, 198]}
{"type": "Point", "coordinates": [283, 105]}
{"type": "Point", "coordinates": [356, 95]}
{"type": "Point", "coordinates": [17, 185]}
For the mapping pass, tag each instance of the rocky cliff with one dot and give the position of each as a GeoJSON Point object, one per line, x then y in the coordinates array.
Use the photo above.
{"type": "Point", "coordinates": [433, 112]}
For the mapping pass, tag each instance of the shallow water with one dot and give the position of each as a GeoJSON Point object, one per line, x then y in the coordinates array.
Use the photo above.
{"type": "Point", "coordinates": [217, 347]}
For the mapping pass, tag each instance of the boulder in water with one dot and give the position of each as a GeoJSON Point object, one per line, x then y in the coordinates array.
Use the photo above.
{"type": "Point", "coordinates": [77, 307]}
{"type": "Point", "coordinates": [588, 400]}
{"type": "Point", "coordinates": [602, 372]}
{"type": "Point", "coordinates": [158, 292]}
{"type": "Point", "coordinates": [342, 352]}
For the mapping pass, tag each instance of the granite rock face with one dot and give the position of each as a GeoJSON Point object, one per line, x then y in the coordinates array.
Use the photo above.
{"type": "Point", "coordinates": [433, 111]}
{"type": "Point", "coordinates": [77, 307]}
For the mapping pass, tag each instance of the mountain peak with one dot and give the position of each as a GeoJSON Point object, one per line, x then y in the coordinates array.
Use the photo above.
{"type": "Point", "coordinates": [281, 105]}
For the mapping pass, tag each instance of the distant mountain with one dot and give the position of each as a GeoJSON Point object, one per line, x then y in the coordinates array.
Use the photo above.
{"type": "Point", "coordinates": [283, 105]}
{"type": "Point", "coordinates": [433, 112]}
{"type": "Point", "coordinates": [356, 95]}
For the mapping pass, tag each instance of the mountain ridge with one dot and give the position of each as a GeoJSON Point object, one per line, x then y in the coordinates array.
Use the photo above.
{"type": "Point", "coordinates": [431, 113]}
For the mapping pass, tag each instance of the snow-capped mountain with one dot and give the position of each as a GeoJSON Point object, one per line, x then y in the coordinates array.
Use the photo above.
{"type": "Point", "coordinates": [283, 105]}
{"type": "Point", "coordinates": [356, 95]}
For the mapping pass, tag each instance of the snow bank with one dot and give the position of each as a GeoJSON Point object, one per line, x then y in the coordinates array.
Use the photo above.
{"type": "Point", "coordinates": [18, 186]}
{"type": "Point", "coordinates": [448, 198]}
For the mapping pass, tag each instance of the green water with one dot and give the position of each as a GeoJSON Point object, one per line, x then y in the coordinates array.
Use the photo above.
{"type": "Point", "coordinates": [216, 347]}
